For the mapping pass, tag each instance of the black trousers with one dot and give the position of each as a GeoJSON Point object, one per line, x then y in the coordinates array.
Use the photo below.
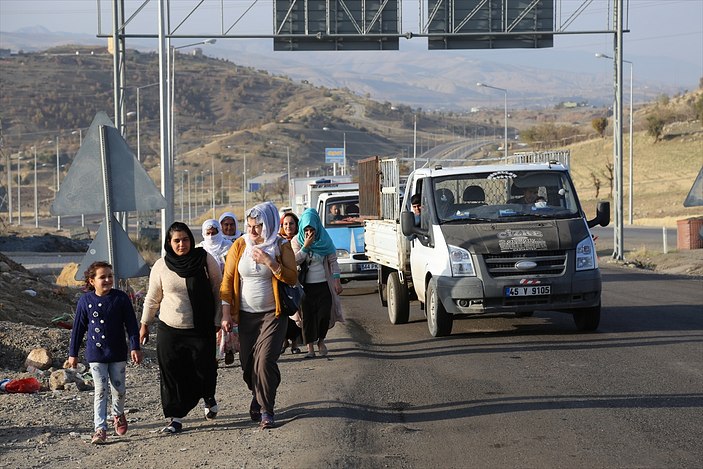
{"type": "Point", "coordinates": [187, 367]}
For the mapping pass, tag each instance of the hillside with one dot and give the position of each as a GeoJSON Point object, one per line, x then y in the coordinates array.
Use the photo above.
{"type": "Point", "coordinates": [664, 170]}
{"type": "Point", "coordinates": [224, 111]}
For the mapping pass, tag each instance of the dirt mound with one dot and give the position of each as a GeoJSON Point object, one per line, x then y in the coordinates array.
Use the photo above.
{"type": "Point", "coordinates": [29, 299]}
{"type": "Point", "coordinates": [42, 243]}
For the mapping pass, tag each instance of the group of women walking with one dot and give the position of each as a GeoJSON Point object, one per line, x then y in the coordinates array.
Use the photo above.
{"type": "Point", "coordinates": [198, 290]}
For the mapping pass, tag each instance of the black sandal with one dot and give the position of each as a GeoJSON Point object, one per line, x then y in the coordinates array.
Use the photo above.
{"type": "Point", "coordinates": [172, 428]}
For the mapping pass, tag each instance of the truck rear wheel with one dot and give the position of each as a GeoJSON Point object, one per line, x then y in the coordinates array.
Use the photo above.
{"type": "Point", "coordinates": [398, 302]}
{"type": "Point", "coordinates": [587, 319]}
{"type": "Point", "coordinates": [439, 322]}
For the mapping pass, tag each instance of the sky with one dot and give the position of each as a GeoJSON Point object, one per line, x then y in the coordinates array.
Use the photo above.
{"type": "Point", "coordinates": [660, 30]}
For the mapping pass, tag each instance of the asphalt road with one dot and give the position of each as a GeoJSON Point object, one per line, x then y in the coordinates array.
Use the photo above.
{"type": "Point", "coordinates": [534, 392]}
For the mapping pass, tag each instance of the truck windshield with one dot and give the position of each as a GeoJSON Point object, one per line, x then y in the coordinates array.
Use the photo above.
{"type": "Point", "coordinates": [342, 211]}
{"type": "Point", "coordinates": [504, 196]}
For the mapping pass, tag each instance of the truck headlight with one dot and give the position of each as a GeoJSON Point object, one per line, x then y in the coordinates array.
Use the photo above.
{"type": "Point", "coordinates": [461, 263]}
{"type": "Point", "coordinates": [342, 253]}
{"type": "Point", "coordinates": [586, 258]}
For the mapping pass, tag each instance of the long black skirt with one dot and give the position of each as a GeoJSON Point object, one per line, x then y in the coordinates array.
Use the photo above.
{"type": "Point", "coordinates": [187, 367]}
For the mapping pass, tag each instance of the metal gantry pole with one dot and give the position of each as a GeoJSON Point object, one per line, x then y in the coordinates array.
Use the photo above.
{"type": "Point", "coordinates": [618, 252]}
{"type": "Point", "coordinates": [166, 173]}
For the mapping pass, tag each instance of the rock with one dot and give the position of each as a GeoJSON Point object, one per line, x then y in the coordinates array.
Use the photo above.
{"type": "Point", "coordinates": [4, 267]}
{"type": "Point", "coordinates": [84, 385]}
{"type": "Point", "coordinates": [59, 378]}
{"type": "Point", "coordinates": [39, 358]}
{"type": "Point", "coordinates": [70, 386]}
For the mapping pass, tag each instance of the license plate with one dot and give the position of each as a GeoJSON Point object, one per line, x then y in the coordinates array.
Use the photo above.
{"type": "Point", "coordinates": [367, 267]}
{"type": "Point", "coordinates": [532, 290]}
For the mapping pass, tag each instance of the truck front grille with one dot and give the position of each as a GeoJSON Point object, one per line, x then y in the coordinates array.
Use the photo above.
{"type": "Point", "coordinates": [503, 265]}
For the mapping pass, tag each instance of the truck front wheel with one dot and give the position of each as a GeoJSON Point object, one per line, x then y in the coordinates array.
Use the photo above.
{"type": "Point", "coordinates": [398, 301]}
{"type": "Point", "coordinates": [439, 322]}
{"type": "Point", "coordinates": [587, 319]}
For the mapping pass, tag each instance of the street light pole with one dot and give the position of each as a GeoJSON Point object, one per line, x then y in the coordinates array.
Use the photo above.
{"type": "Point", "coordinates": [9, 186]}
{"type": "Point", "coordinates": [344, 150]}
{"type": "Point", "coordinates": [19, 194]}
{"type": "Point", "coordinates": [58, 182]}
{"type": "Point", "coordinates": [631, 162]}
{"type": "Point", "coordinates": [290, 200]}
{"type": "Point", "coordinates": [182, 191]}
{"type": "Point", "coordinates": [212, 183]}
{"type": "Point", "coordinates": [244, 185]}
{"type": "Point", "coordinates": [36, 198]}
{"type": "Point", "coordinates": [187, 173]}
{"type": "Point", "coordinates": [172, 94]}
{"type": "Point", "coordinates": [505, 127]}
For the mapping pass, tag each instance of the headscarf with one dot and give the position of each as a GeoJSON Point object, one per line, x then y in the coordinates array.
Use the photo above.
{"type": "Point", "coordinates": [281, 232]}
{"type": "Point", "coordinates": [323, 244]}
{"type": "Point", "coordinates": [215, 244]}
{"type": "Point", "coordinates": [193, 268]}
{"type": "Point", "coordinates": [266, 214]}
{"type": "Point", "coordinates": [237, 233]}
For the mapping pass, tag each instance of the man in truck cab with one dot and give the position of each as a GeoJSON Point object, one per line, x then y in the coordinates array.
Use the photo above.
{"type": "Point", "coordinates": [334, 214]}
{"type": "Point", "coordinates": [416, 207]}
{"type": "Point", "coordinates": [529, 196]}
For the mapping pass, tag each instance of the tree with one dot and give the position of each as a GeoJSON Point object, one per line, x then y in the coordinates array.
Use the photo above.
{"type": "Point", "coordinates": [655, 127]}
{"type": "Point", "coordinates": [609, 175]}
{"type": "Point", "coordinates": [698, 108]}
{"type": "Point", "coordinates": [280, 188]}
{"type": "Point", "coordinates": [596, 183]}
{"type": "Point", "coordinates": [599, 125]}
{"type": "Point", "coordinates": [262, 194]}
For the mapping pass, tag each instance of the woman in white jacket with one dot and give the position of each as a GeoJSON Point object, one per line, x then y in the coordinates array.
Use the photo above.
{"type": "Point", "coordinates": [321, 307]}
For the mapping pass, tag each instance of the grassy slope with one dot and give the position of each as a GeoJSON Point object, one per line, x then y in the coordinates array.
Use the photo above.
{"type": "Point", "coordinates": [664, 173]}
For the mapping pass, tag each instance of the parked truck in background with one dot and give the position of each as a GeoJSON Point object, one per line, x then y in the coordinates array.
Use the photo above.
{"type": "Point", "coordinates": [299, 190]}
{"type": "Point", "coordinates": [337, 203]}
{"type": "Point", "coordinates": [480, 247]}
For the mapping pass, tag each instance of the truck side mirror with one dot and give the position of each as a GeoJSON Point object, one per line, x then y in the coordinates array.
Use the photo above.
{"type": "Point", "coordinates": [602, 215]}
{"type": "Point", "coordinates": [407, 224]}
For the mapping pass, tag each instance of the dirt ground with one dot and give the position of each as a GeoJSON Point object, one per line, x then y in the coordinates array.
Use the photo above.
{"type": "Point", "coordinates": [54, 427]}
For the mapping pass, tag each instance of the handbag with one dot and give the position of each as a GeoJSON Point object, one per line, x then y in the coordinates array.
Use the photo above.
{"type": "Point", "coordinates": [303, 271]}
{"type": "Point", "coordinates": [291, 296]}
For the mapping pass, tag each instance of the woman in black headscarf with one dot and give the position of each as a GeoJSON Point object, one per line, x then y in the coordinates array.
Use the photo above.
{"type": "Point", "coordinates": [184, 288]}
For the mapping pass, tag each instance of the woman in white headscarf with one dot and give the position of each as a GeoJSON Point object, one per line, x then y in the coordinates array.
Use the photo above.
{"type": "Point", "coordinates": [249, 293]}
{"type": "Point", "coordinates": [230, 227]}
{"type": "Point", "coordinates": [214, 242]}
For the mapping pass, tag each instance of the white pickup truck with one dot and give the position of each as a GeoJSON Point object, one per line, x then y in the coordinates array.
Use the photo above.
{"type": "Point", "coordinates": [490, 239]}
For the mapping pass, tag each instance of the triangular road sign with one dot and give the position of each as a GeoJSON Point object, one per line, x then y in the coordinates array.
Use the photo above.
{"type": "Point", "coordinates": [131, 188]}
{"type": "Point", "coordinates": [128, 263]}
{"type": "Point", "coordinates": [695, 195]}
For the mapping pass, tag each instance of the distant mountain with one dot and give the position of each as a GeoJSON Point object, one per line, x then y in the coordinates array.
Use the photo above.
{"type": "Point", "coordinates": [428, 79]}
